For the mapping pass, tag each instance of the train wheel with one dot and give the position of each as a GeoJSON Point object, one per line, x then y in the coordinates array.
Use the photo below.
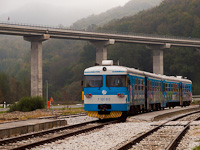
{"type": "Point", "coordinates": [124, 116]}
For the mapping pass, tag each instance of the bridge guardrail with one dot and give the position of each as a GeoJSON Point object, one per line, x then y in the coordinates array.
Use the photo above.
{"type": "Point", "coordinates": [99, 31]}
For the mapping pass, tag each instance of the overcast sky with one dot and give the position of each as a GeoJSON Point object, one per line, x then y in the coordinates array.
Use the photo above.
{"type": "Point", "coordinates": [53, 11]}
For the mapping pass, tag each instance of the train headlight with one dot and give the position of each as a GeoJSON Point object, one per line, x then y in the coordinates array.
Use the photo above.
{"type": "Point", "coordinates": [120, 95]}
{"type": "Point", "coordinates": [88, 95]}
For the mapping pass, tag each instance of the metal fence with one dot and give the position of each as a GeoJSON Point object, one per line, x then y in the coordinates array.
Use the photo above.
{"type": "Point", "coordinates": [196, 98]}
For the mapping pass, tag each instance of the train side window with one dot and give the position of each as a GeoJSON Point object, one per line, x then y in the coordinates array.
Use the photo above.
{"type": "Point", "coordinates": [138, 86]}
{"type": "Point", "coordinates": [150, 85]}
{"type": "Point", "coordinates": [142, 84]}
{"type": "Point", "coordinates": [135, 83]}
{"type": "Point", "coordinates": [116, 80]}
{"type": "Point", "coordinates": [167, 87]}
{"type": "Point", "coordinates": [159, 86]}
{"type": "Point", "coordinates": [172, 87]}
{"type": "Point", "coordinates": [164, 86]}
{"type": "Point", "coordinates": [156, 85]}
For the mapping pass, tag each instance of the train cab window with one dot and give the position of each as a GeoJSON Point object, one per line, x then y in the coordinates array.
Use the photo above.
{"type": "Point", "coordinates": [116, 80]}
{"type": "Point", "coordinates": [93, 81]}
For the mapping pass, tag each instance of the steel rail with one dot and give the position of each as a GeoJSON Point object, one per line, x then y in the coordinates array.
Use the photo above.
{"type": "Point", "coordinates": [62, 136]}
{"type": "Point", "coordinates": [35, 134]}
{"type": "Point", "coordinates": [174, 143]}
{"type": "Point", "coordinates": [144, 135]}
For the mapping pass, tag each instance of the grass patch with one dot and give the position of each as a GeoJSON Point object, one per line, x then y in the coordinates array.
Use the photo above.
{"type": "Point", "coordinates": [195, 102]}
{"type": "Point", "coordinates": [197, 148]}
{"type": "Point", "coordinates": [66, 108]}
{"type": "Point", "coordinates": [66, 111]}
{"type": "Point", "coordinates": [1, 112]}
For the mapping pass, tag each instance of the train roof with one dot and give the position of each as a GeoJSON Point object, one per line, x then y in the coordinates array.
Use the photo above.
{"type": "Point", "coordinates": [111, 70]}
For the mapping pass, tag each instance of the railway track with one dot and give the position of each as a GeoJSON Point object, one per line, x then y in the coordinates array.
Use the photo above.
{"type": "Point", "coordinates": [164, 136]}
{"type": "Point", "coordinates": [39, 138]}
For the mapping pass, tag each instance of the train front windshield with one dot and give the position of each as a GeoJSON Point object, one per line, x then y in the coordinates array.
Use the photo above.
{"type": "Point", "coordinates": [93, 81]}
{"type": "Point", "coordinates": [116, 80]}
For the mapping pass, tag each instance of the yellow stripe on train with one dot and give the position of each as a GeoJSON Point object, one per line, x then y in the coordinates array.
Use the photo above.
{"type": "Point", "coordinates": [113, 114]}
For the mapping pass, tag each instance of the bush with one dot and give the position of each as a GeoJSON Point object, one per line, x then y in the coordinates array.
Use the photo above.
{"type": "Point", "coordinates": [28, 104]}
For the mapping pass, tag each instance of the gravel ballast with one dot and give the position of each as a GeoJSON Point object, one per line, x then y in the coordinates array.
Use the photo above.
{"type": "Point", "coordinates": [101, 139]}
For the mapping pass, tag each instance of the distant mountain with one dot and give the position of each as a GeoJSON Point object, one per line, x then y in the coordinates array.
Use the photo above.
{"type": "Point", "coordinates": [43, 14]}
{"type": "Point", "coordinates": [130, 8]}
{"type": "Point", "coordinates": [173, 18]}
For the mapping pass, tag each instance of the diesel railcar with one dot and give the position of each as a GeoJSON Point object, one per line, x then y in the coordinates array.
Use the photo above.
{"type": "Point", "coordinates": [114, 91]}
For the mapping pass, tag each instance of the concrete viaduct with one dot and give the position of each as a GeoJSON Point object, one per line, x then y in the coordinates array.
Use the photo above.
{"type": "Point", "coordinates": [37, 34]}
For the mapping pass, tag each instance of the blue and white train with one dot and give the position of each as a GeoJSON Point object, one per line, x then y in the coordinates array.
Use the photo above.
{"type": "Point", "coordinates": [114, 91]}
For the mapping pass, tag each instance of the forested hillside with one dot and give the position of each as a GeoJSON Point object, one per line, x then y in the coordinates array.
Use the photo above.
{"type": "Point", "coordinates": [65, 60]}
{"type": "Point", "coordinates": [174, 18]}
{"type": "Point", "coordinates": [130, 8]}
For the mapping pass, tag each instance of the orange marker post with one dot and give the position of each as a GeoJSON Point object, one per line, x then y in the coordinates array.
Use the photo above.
{"type": "Point", "coordinates": [48, 104]}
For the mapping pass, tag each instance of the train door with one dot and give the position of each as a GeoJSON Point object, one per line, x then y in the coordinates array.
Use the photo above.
{"type": "Point", "coordinates": [130, 88]}
{"type": "Point", "coordinates": [181, 94]}
{"type": "Point", "coordinates": [163, 103]}
{"type": "Point", "coordinates": [146, 98]}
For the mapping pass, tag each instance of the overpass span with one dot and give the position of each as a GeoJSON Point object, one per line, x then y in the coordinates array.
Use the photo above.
{"type": "Point", "coordinates": [37, 34]}
{"type": "Point", "coordinates": [26, 31]}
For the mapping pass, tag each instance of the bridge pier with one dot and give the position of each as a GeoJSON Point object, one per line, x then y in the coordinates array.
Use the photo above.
{"type": "Point", "coordinates": [158, 65]}
{"type": "Point", "coordinates": [36, 63]}
{"type": "Point", "coordinates": [101, 49]}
